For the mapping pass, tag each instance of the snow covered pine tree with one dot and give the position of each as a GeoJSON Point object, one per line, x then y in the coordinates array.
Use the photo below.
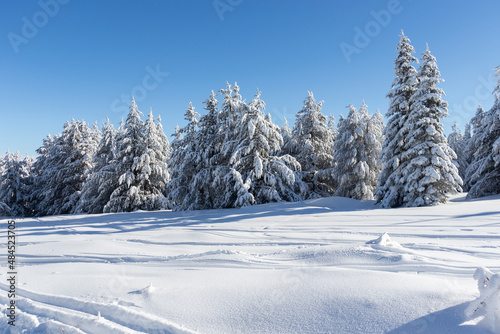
{"type": "Point", "coordinates": [132, 167]}
{"type": "Point", "coordinates": [101, 183]}
{"type": "Point", "coordinates": [484, 171]}
{"type": "Point", "coordinates": [357, 151]}
{"type": "Point", "coordinates": [184, 162]}
{"type": "Point", "coordinates": [312, 145]}
{"type": "Point", "coordinates": [389, 191]}
{"type": "Point", "coordinates": [61, 169]}
{"type": "Point", "coordinates": [427, 169]}
{"type": "Point", "coordinates": [258, 175]}
{"type": "Point", "coordinates": [418, 168]}
{"type": "Point", "coordinates": [14, 185]}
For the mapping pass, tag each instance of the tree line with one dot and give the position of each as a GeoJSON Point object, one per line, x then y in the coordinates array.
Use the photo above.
{"type": "Point", "coordinates": [234, 155]}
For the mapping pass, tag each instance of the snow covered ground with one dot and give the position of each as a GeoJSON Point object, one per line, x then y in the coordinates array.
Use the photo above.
{"type": "Point", "coordinates": [320, 266]}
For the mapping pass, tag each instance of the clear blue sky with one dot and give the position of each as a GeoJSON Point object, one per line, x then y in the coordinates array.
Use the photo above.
{"type": "Point", "coordinates": [84, 56]}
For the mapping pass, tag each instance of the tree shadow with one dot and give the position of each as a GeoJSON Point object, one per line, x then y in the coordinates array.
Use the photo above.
{"type": "Point", "coordinates": [447, 321]}
{"type": "Point", "coordinates": [83, 224]}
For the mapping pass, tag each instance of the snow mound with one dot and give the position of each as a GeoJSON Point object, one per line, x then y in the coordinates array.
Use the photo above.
{"type": "Point", "coordinates": [487, 306]}
{"type": "Point", "coordinates": [384, 241]}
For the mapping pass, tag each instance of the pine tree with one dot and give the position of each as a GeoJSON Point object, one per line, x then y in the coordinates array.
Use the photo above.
{"type": "Point", "coordinates": [426, 164]}
{"type": "Point", "coordinates": [153, 174]}
{"type": "Point", "coordinates": [224, 176]}
{"type": "Point", "coordinates": [357, 151]}
{"type": "Point", "coordinates": [126, 167]}
{"type": "Point", "coordinates": [62, 169]}
{"type": "Point", "coordinates": [183, 162]}
{"type": "Point", "coordinates": [229, 115]}
{"type": "Point", "coordinates": [389, 191]}
{"type": "Point", "coordinates": [312, 146]}
{"type": "Point", "coordinates": [458, 144]}
{"type": "Point", "coordinates": [259, 176]}
{"type": "Point", "coordinates": [484, 171]}
{"type": "Point", "coordinates": [14, 187]}
{"type": "Point", "coordinates": [331, 125]}
{"type": "Point", "coordinates": [286, 134]}
{"type": "Point", "coordinates": [473, 145]}
{"type": "Point", "coordinates": [39, 173]}
{"type": "Point", "coordinates": [97, 190]}
{"type": "Point", "coordinates": [207, 157]}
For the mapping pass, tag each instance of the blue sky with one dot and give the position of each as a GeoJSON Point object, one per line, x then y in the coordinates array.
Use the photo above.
{"type": "Point", "coordinates": [64, 59]}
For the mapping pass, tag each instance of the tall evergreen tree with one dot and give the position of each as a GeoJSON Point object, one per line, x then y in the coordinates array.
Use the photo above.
{"type": "Point", "coordinates": [286, 134]}
{"type": "Point", "coordinates": [153, 174]}
{"type": "Point", "coordinates": [473, 145]}
{"type": "Point", "coordinates": [484, 171]}
{"type": "Point", "coordinates": [97, 190]}
{"type": "Point", "coordinates": [389, 191]}
{"type": "Point", "coordinates": [331, 125]}
{"type": "Point", "coordinates": [127, 165]}
{"type": "Point", "coordinates": [14, 187]}
{"type": "Point", "coordinates": [357, 151]}
{"type": "Point", "coordinates": [312, 146]}
{"type": "Point", "coordinates": [62, 169]}
{"type": "Point", "coordinates": [428, 174]}
{"type": "Point", "coordinates": [458, 144]}
{"type": "Point", "coordinates": [208, 157]}
{"type": "Point", "coordinates": [183, 162]}
{"type": "Point", "coordinates": [259, 176]}
{"type": "Point", "coordinates": [224, 176]}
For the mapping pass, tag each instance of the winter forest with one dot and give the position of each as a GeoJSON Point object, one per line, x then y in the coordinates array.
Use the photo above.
{"type": "Point", "coordinates": [233, 155]}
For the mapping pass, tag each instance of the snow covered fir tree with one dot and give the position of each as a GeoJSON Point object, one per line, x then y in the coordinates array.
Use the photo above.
{"type": "Point", "coordinates": [234, 155]}
{"type": "Point", "coordinates": [15, 185]}
{"type": "Point", "coordinates": [418, 162]}
{"type": "Point", "coordinates": [389, 191]}
{"type": "Point", "coordinates": [258, 174]}
{"type": "Point", "coordinates": [312, 144]}
{"type": "Point", "coordinates": [483, 173]}
{"type": "Point", "coordinates": [139, 166]}
{"type": "Point", "coordinates": [357, 150]}
{"type": "Point", "coordinates": [427, 169]}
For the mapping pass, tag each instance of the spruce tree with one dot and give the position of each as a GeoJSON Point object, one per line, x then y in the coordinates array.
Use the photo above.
{"type": "Point", "coordinates": [97, 190]}
{"type": "Point", "coordinates": [312, 146]}
{"type": "Point", "coordinates": [286, 134]}
{"type": "Point", "coordinates": [458, 144]}
{"type": "Point", "coordinates": [153, 168]}
{"type": "Point", "coordinates": [62, 168]}
{"type": "Point", "coordinates": [357, 150]}
{"type": "Point", "coordinates": [207, 157]}
{"type": "Point", "coordinates": [228, 118]}
{"type": "Point", "coordinates": [127, 165]}
{"type": "Point", "coordinates": [14, 187]}
{"type": "Point", "coordinates": [183, 162]}
{"type": "Point", "coordinates": [258, 176]}
{"type": "Point", "coordinates": [428, 174]}
{"type": "Point", "coordinates": [389, 190]}
{"type": "Point", "coordinates": [484, 171]}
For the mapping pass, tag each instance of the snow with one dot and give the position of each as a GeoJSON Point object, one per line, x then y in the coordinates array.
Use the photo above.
{"type": "Point", "coordinates": [329, 265]}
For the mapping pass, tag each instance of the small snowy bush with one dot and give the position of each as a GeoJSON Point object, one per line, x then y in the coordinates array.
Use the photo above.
{"type": "Point", "coordinates": [488, 303]}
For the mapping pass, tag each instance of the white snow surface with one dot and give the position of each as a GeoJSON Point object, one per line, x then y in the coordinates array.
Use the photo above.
{"type": "Point", "coordinates": [330, 265]}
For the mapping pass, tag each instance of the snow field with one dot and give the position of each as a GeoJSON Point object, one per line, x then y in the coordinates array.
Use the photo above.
{"type": "Point", "coordinates": [320, 266]}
